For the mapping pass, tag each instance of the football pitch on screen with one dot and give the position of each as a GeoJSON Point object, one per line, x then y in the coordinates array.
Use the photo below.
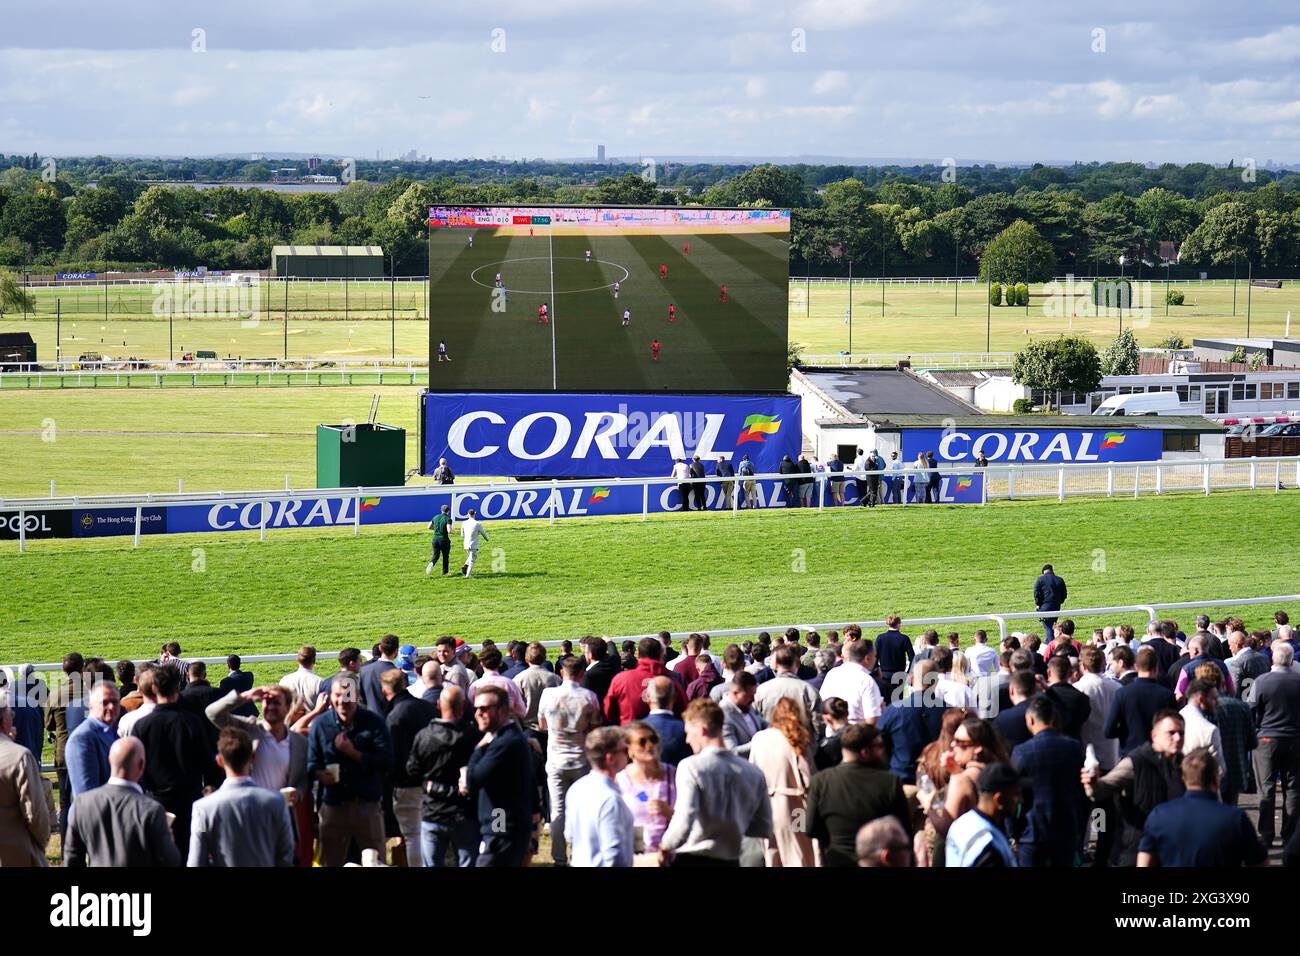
{"type": "Point", "coordinates": [604, 315]}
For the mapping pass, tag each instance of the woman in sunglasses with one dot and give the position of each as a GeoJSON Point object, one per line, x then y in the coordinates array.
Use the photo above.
{"type": "Point", "coordinates": [648, 785]}
{"type": "Point", "coordinates": [975, 745]}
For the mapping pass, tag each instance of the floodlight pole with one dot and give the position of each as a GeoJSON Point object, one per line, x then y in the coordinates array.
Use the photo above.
{"type": "Point", "coordinates": [58, 337]}
{"type": "Point", "coordinates": [850, 311]}
{"type": "Point", "coordinates": [882, 270]}
{"type": "Point", "coordinates": [392, 300]}
{"type": "Point", "coordinates": [1166, 288]}
{"type": "Point", "coordinates": [988, 314]}
{"type": "Point", "coordinates": [956, 251]}
{"type": "Point", "coordinates": [286, 318]}
{"type": "Point", "coordinates": [1234, 284]}
{"type": "Point", "coordinates": [1250, 272]}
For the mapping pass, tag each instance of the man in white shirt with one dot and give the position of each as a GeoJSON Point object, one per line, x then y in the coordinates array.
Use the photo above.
{"type": "Point", "coordinates": [447, 650]}
{"type": "Point", "coordinates": [1199, 728]}
{"type": "Point", "coordinates": [983, 658]}
{"type": "Point", "coordinates": [852, 682]}
{"type": "Point", "coordinates": [144, 684]}
{"type": "Point", "coordinates": [472, 533]}
{"type": "Point", "coordinates": [597, 823]}
{"type": "Point", "coordinates": [1100, 692]}
{"type": "Point", "coordinates": [565, 714]}
{"type": "Point", "coordinates": [303, 683]}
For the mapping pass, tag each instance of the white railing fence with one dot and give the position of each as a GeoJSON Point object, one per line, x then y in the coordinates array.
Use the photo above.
{"type": "Point", "coordinates": [1001, 482]}
{"type": "Point", "coordinates": [1152, 611]}
{"type": "Point", "coordinates": [933, 360]}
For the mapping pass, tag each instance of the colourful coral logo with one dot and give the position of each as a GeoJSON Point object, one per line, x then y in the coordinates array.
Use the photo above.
{"type": "Point", "coordinates": [963, 484]}
{"type": "Point", "coordinates": [1112, 440]}
{"type": "Point", "coordinates": [598, 494]}
{"type": "Point", "coordinates": [758, 427]}
{"type": "Point", "coordinates": [369, 504]}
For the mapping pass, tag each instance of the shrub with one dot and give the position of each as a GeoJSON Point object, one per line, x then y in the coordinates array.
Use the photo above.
{"type": "Point", "coordinates": [1173, 341]}
{"type": "Point", "coordinates": [1174, 297]}
{"type": "Point", "coordinates": [995, 293]}
{"type": "Point", "coordinates": [1022, 294]}
{"type": "Point", "coordinates": [1022, 406]}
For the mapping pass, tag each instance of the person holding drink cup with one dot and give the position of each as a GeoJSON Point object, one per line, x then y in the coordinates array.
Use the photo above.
{"type": "Point", "coordinates": [648, 785]}
{"type": "Point", "coordinates": [349, 751]}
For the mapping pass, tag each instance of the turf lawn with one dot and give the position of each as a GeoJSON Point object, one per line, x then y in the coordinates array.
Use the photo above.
{"type": "Point", "coordinates": [144, 440]}
{"type": "Point", "coordinates": [918, 317]}
{"type": "Point", "coordinates": [218, 593]}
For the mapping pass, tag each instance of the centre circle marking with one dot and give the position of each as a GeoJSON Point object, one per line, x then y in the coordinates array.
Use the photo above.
{"type": "Point", "coordinates": [473, 276]}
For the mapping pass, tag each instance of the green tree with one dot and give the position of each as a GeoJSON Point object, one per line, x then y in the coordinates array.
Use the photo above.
{"type": "Point", "coordinates": [780, 187]}
{"type": "Point", "coordinates": [13, 297]}
{"type": "Point", "coordinates": [1121, 356]}
{"type": "Point", "coordinates": [103, 208]}
{"type": "Point", "coordinates": [1017, 254]}
{"type": "Point", "coordinates": [1065, 364]}
{"type": "Point", "coordinates": [1224, 236]}
{"type": "Point", "coordinates": [1111, 230]}
{"type": "Point", "coordinates": [37, 219]}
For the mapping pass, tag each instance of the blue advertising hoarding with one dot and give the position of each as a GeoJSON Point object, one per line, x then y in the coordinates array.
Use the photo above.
{"type": "Point", "coordinates": [513, 501]}
{"type": "Point", "coordinates": [604, 436]}
{"type": "Point", "coordinates": [1030, 445]}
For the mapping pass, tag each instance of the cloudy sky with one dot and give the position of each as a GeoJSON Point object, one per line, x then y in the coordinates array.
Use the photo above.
{"type": "Point", "coordinates": [969, 79]}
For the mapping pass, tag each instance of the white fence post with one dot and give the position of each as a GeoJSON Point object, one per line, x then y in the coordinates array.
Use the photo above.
{"type": "Point", "coordinates": [1137, 479]}
{"type": "Point", "coordinates": [821, 492]}
{"type": "Point", "coordinates": [735, 496]}
{"type": "Point", "coordinates": [1060, 484]}
{"type": "Point", "coordinates": [356, 513]}
{"type": "Point", "coordinates": [1160, 478]}
{"type": "Point", "coordinates": [1110, 480]}
{"type": "Point", "coordinates": [552, 505]}
{"type": "Point", "coordinates": [1277, 477]}
{"type": "Point", "coordinates": [1207, 477]}
{"type": "Point", "coordinates": [138, 516]}
{"type": "Point", "coordinates": [22, 531]}
{"type": "Point", "coordinates": [1252, 474]}
{"type": "Point", "coordinates": [261, 531]}
{"type": "Point", "coordinates": [645, 501]}
{"type": "Point", "coordinates": [1011, 482]}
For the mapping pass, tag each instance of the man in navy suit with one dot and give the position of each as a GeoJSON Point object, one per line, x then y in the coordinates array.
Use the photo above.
{"type": "Point", "coordinates": [1010, 723]}
{"type": "Point", "coordinates": [1135, 705]}
{"type": "Point", "coordinates": [1052, 763]}
{"type": "Point", "coordinates": [240, 682]}
{"type": "Point", "coordinates": [1049, 595]}
{"type": "Point", "coordinates": [893, 650]}
{"type": "Point", "coordinates": [673, 748]}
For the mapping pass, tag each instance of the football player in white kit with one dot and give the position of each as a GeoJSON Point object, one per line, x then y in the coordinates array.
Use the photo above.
{"type": "Point", "coordinates": [616, 290]}
{"type": "Point", "coordinates": [588, 255]}
{"type": "Point", "coordinates": [627, 316]}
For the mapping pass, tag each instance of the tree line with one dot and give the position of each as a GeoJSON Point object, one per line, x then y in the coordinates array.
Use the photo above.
{"type": "Point", "coordinates": [1010, 225]}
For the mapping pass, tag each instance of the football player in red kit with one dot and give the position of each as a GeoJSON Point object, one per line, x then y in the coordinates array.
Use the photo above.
{"type": "Point", "coordinates": [672, 312]}
{"type": "Point", "coordinates": [686, 249]}
{"type": "Point", "coordinates": [654, 349]}
{"type": "Point", "coordinates": [541, 313]}
{"type": "Point", "coordinates": [663, 272]}
{"type": "Point", "coordinates": [724, 293]}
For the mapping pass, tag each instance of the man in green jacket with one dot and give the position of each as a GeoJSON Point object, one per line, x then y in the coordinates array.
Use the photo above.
{"type": "Point", "coordinates": [441, 526]}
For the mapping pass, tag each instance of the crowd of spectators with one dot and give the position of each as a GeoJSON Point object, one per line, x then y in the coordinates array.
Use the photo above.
{"type": "Point", "coordinates": [794, 749]}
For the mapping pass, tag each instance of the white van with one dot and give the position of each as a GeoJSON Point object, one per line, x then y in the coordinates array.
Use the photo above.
{"type": "Point", "coordinates": [1149, 403]}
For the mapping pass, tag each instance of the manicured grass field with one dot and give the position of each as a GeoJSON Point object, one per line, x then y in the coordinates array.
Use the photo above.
{"type": "Point", "coordinates": [218, 593]}
{"type": "Point", "coordinates": [144, 440]}
{"type": "Point", "coordinates": [918, 318]}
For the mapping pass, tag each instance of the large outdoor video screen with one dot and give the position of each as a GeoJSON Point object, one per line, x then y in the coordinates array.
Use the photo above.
{"type": "Point", "coordinates": [608, 299]}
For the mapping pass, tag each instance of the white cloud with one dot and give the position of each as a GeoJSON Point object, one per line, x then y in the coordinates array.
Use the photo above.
{"type": "Point", "coordinates": [831, 81]}
{"type": "Point", "coordinates": [755, 87]}
{"type": "Point", "coordinates": [1280, 45]}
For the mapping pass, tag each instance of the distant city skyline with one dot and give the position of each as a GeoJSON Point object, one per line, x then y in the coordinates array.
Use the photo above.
{"type": "Point", "coordinates": [1014, 81]}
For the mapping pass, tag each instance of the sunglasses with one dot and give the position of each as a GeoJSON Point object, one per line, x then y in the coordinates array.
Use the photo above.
{"type": "Point", "coordinates": [646, 741]}
{"type": "Point", "coordinates": [484, 708]}
{"type": "Point", "coordinates": [963, 744]}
